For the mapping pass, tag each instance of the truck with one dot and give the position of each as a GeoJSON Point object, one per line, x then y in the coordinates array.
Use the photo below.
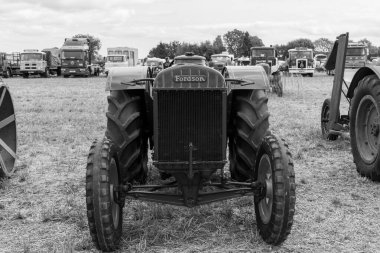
{"type": "Point", "coordinates": [219, 61]}
{"type": "Point", "coordinates": [301, 61]}
{"type": "Point", "coordinates": [357, 55]}
{"type": "Point", "coordinates": [41, 63]}
{"type": "Point", "coordinates": [267, 57]}
{"type": "Point", "coordinates": [9, 64]}
{"type": "Point", "coordinates": [75, 58]}
{"type": "Point", "coordinates": [130, 53]}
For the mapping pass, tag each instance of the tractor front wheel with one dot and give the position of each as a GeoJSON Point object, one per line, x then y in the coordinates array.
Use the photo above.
{"type": "Point", "coordinates": [365, 127]}
{"type": "Point", "coordinates": [104, 212]}
{"type": "Point", "coordinates": [275, 209]}
{"type": "Point", "coordinates": [325, 119]}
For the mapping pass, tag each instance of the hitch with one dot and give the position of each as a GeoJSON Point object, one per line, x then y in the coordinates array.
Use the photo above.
{"type": "Point", "coordinates": [120, 192]}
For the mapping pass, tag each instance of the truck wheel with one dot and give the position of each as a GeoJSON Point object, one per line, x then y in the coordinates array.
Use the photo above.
{"type": "Point", "coordinates": [365, 128]}
{"type": "Point", "coordinates": [325, 114]}
{"type": "Point", "coordinates": [59, 72]}
{"type": "Point", "coordinates": [25, 75]}
{"type": "Point", "coordinates": [250, 124]}
{"type": "Point", "coordinates": [124, 128]}
{"type": "Point", "coordinates": [104, 214]}
{"type": "Point", "coordinates": [275, 210]}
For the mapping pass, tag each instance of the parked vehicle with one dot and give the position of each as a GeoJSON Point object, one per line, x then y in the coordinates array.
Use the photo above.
{"type": "Point", "coordinates": [75, 58]}
{"type": "Point", "coordinates": [219, 61]}
{"type": "Point", "coordinates": [301, 61]}
{"type": "Point", "coordinates": [362, 90]}
{"type": "Point", "coordinates": [115, 61]}
{"type": "Point", "coordinates": [9, 64]}
{"type": "Point", "coordinates": [188, 114]}
{"type": "Point", "coordinates": [356, 55]}
{"type": "Point", "coordinates": [34, 62]}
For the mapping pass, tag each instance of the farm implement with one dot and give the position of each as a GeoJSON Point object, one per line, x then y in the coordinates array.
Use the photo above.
{"type": "Point", "coordinates": [362, 91]}
{"type": "Point", "coordinates": [188, 115]}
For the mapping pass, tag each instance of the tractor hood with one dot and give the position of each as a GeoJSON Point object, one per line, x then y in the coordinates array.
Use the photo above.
{"type": "Point", "coordinates": [119, 75]}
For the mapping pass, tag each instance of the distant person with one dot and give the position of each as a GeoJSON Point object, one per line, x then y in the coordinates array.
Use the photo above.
{"type": "Point", "coordinates": [166, 63]}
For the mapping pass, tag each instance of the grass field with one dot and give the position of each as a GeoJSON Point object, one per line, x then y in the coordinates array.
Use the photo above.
{"type": "Point", "coordinates": [42, 207]}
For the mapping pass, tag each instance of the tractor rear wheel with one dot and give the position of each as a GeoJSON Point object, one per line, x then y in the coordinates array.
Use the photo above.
{"type": "Point", "coordinates": [325, 118]}
{"type": "Point", "coordinates": [104, 211]}
{"type": "Point", "coordinates": [249, 126]}
{"type": "Point", "coordinates": [124, 128]}
{"type": "Point", "coordinates": [365, 127]}
{"type": "Point", "coordinates": [275, 210]}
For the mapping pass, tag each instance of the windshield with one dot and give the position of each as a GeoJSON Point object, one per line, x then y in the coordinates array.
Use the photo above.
{"type": "Point", "coordinates": [358, 51]}
{"type": "Point", "coordinates": [153, 63]}
{"type": "Point", "coordinates": [300, 54]}
{"type": "Point", "coordinates": [320, 57]}
{"type": "Point", "coordinates": [31, 57]}
{"type": "Point", "coordinates": [72, 55]}
{"type": "Point", "coordinates": [115, 58]}
{"type": "Point", "coordinates": [263, 52]}
{"type": "Point", "coordinates": [220, 58]}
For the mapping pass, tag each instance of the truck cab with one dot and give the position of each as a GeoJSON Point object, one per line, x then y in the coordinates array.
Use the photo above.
{"type": "Point", "coordinates": [260, 55]}
{"type": "Point", "coordinates": [356, 55]}
{"type": "Point", "coordinates": [115, 61]}
{"type": "Point", "coordinates": [301, 61]}
{"type": "Point", "coordinates": [33, 62]}
{"type": "Point", "coordinates": [75, 57]}
{"type": "Point", "coordinates": [219, 61]}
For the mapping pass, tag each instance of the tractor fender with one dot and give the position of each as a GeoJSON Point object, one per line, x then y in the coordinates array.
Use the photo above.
{"type": "Point", "coordinates": [250, 74]}
{"type": "Point", "coordinates": [359, 75]}
{"type": "Point", "coordinates": [119, 77]}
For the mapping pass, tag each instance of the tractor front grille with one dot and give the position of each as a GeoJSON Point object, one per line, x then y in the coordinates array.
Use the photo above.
{"type": "Point", "coordinates": [189, 116]}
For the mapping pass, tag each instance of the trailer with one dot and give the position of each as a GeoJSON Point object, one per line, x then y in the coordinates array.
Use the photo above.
{"type": "Point", "coordinates": [9, 64]}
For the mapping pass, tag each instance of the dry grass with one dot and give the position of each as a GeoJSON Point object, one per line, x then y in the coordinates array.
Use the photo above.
{"type": "Point", "coordinates": [42, 207]}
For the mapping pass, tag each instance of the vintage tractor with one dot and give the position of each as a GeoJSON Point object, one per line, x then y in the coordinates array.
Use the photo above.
{"type": "Point", "coordinates": [188, 115]}
{"type": "Point", "coordinates": [362, 91]}
{"type": "Point", "coordinates": [8, 138]}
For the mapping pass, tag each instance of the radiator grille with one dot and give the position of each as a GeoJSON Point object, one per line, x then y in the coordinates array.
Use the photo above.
{"type": "Point", "coordinates": [301, 64]}
{"type": "Point", "coordinates": [185, 116]}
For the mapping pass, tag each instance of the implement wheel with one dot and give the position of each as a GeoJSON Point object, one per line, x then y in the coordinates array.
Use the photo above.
{"type": "Point", "coordinates": [365, 127]}
{"type": "Point", "coordinates": [325, 114]}
{"type": "Point", "coordinates": [249, 126]}
{"type": "Point", "coordinates": [104, 213]}
{"type": "Point", "coordinates": [275, 209]}
{"type": "Point", "coordinates": [8, 134]}
{"type": "Point", "coordinates": [124, 128]}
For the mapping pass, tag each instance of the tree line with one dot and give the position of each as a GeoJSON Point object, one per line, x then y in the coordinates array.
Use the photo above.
{"type": "Point", "coordinates": [239, 42]}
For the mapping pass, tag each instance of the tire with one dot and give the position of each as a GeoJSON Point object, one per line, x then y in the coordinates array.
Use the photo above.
{"type": "Point", "coordinates": [249, 126]}
{"type": "Point", "coordinates": [65, 76]}
{"type": "Point", "coordinates": [325, 114]}
{"type": "Point", "coordinates": [275, 169]}
{"type": "Point", "coordinates": [311, 74]}
{"type": "Point", "coordinates": [104, 215]}
{"type": "Point", "coordinates": [124, 128]}
{"type": "Point", "coordinates": [365, 110]}
{"type": "Point", "coordinates": [25, 75]}
{"type": "Point", "coordinates": [46, 74]}
{"type": "Point", "coordinates": [59, 72]}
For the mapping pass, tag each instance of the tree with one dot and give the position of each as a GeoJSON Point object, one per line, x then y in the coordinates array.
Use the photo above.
{"type": "Point", "coordinates": [161, 50]}
{"type": "Point", "coordinates": [217, 45]}
{"type": "Point", "coordinates": [323, 45]}
{"type": "Point", "coordinates": [239, 43]}
{"type": "Point", "coordinates": [300, 43]}
{"type": "Point", "coordinates": [94, 45]}
{"type": "Point", "coordinates": [372, 48]}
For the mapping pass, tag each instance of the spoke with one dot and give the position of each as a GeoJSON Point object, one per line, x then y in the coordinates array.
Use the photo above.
{"type": "Point", "coordinates": [2, 96]}
{"type": "Point", "coordinates": [2, 164]}
{"type": "Point", "coordinates": [7, 148]}
{"type": "Point", "coordinates": [7, 121]}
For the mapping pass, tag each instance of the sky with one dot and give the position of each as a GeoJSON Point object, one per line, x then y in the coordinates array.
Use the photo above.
{"type": "Point", "coordinates": [38, 24]}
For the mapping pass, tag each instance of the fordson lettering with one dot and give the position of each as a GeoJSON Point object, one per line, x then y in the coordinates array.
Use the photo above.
{"type": "Point", "coordinates": [189, 78]}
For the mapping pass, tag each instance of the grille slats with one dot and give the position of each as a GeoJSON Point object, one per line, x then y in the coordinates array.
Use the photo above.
{"type": "Point", "coordinates": [186, 116]}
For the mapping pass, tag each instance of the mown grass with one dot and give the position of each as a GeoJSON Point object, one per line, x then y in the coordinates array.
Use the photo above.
{"type": "Point", "coordinates": [42, 206]}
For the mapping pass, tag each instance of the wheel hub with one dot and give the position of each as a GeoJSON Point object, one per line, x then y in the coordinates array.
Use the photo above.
{"type": "Point", "coordinates": [367, 129]}
{"type": "Point", "coordinates": [265, 177]}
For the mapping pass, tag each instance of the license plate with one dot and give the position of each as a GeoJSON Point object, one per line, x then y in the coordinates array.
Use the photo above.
{"type": "Point", "coordinates": [72, 71]}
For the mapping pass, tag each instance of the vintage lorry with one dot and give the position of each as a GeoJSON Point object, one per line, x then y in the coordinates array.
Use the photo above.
{"type": "Point", "coordinates": [42, 63]}
{"type": "Point", "coordinates": [219, 61]}
{"type": "Point", "coordinates": [267, 57]}
{"type": "Point", "coordinates": [356, 55]}
{"type": "Point", "coordinates": [187, 116]}
{"type": "Point", "coordinates": [301, 61]}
